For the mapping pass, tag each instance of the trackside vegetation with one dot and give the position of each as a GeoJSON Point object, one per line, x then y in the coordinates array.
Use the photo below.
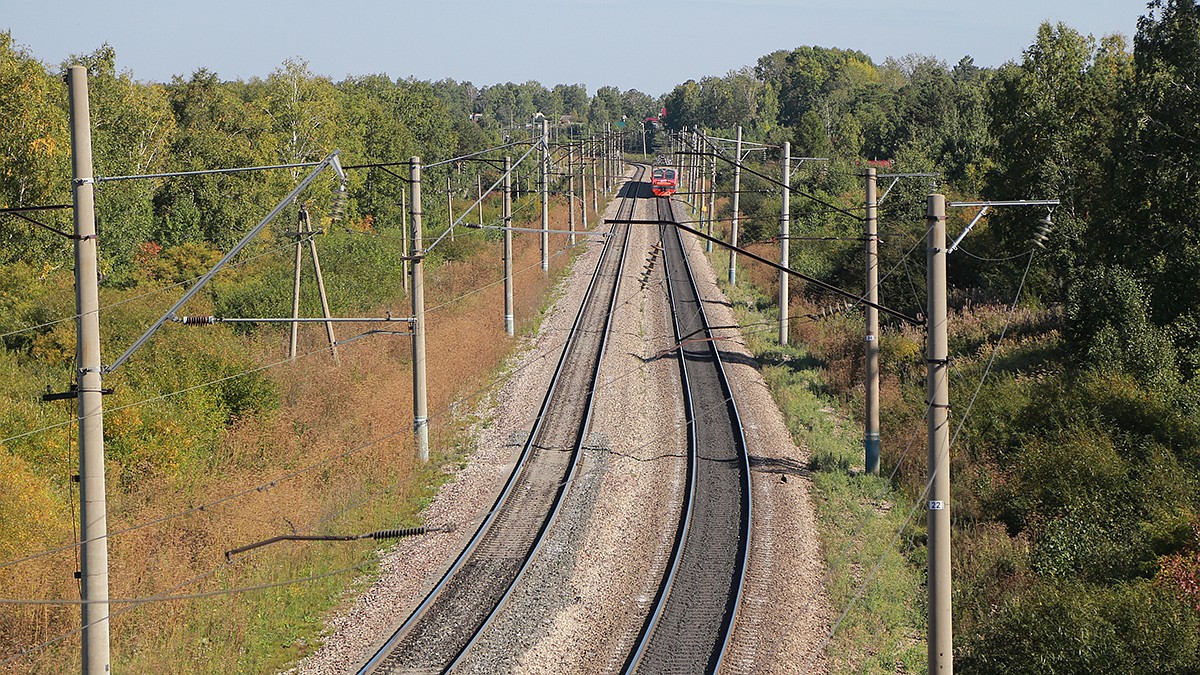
{"type": "Point", "coordinates": [1075, 380]}
{"type": "Point", "coordinates": [1074, 377]}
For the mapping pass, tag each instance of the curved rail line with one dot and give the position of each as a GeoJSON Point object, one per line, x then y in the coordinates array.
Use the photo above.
{"type": "Point", "coordinates": [692, 618]}
{"type": "Point", "coordinates": [481, 578]}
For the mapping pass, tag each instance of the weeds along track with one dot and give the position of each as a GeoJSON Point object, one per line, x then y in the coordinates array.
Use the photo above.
{"type": "Point", "coordinates": [445, 624]}
{"type": "Point", "coordinates": [692, 618]}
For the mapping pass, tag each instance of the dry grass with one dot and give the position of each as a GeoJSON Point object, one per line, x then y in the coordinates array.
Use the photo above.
{"type": "Point", "coordinates": [353, 423]}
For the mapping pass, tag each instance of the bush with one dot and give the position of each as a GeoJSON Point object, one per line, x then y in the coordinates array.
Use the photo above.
{"type": "Point", "coordinates": [1072, 628]}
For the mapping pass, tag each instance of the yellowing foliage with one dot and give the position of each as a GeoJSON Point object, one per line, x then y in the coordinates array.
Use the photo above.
{"type": "Point", "coordinates": [31, 516]}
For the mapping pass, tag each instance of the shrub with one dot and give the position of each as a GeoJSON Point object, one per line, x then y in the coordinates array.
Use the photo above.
{"type": "Point", "coordinates": [1075, 628]}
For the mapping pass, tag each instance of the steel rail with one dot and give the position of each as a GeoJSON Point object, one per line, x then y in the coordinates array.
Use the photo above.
{"type": "Point", "coordinates": [630, 201]}
{"type": "Point", "coordinates": [682, 660]}
{"type": "Point", "coordinates": [378, 659]}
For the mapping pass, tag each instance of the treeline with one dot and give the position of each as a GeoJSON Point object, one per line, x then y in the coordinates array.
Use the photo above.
{"type": "Point", "coordinates": [292, 116]}
{"type": "Point", "coordinates": [1077, 532]}
{"type": "Point", "coordinates": [196, 414]}
{"type": "Point", "coordinates": [1075, 474]}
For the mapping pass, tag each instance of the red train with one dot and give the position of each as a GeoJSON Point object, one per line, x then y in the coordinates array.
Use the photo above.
{"type": "Point", "coordinates": [663, 181]}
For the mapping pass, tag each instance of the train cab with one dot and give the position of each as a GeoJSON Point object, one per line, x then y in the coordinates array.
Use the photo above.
{"type": "Point", "coordinates": [663, 181]}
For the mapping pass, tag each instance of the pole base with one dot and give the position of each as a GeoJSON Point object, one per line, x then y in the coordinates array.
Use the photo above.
{"type": "Point", "coordinates": [871, 444]}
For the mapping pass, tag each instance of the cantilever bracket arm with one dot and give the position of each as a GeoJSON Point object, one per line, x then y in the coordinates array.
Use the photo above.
{"type": "Point", "coordinates": [812, 280]}
{"type": "Point", "coordinates": [330, 161]}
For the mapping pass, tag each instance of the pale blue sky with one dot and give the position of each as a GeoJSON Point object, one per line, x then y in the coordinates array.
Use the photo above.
{"type": "Point", "coordinates": [650, 46]}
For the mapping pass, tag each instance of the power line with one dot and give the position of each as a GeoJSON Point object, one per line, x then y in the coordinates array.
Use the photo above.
{"type": "Point", "coordinates": [200, 577]}
{"type": "Point", "coordinates": [257, 488]}
{"type": "Point", "coordinates": [932, 474]}
{"type": "Point", "coordinates": [146, 294]}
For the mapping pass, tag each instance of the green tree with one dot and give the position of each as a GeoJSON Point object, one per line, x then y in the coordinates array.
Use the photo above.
{"type": "Point", "coordinates": [35, 151]}
{"type": "Point", "coordinates": [132, 131]}
{"type": "Point", "coordinates": [215, 129]}
{"type": "Point", "coordinates": [684, 106]}
{"type": "Point", "coordinates": [1052, 116]}
{"type": "Point", "coordinates": [304, 111]}
{"type": "Point", "coordinates": [1154, 229]}
{"type": "Point", "coordinates": [812, 138]}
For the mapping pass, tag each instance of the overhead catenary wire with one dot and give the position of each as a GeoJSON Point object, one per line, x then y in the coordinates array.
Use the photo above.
{"type": "Point", "coordinates": [262, 486]}
{"type": "Point", "coordinates": [27, 651]}
{"type": "Point", "coordinates": [776, 182]}
{"type": "Point", "coordinates": [466, 212]}
{"type": "Point", "coordinates": [204, 172]}
{"type": "Point", "coordinates": [288, 246]}
{"type": "Point", "coordinates": [928, 485]}
{"type": "Point", "coordinates": [204, 595]}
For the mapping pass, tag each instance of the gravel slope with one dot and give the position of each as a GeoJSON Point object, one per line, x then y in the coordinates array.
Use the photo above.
{"type": "Point", "coordinates": [588, 596]}
{"type": "Point", "coordinates": [784, 613]}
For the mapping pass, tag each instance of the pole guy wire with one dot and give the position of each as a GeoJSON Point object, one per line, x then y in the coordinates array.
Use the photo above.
{"type": "Point", "coordinates": [262, 486]}
{"type": "Point", "coordinates": [879, 562]}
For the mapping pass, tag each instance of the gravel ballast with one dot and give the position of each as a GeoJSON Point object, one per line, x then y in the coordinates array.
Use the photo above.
{"type": "Point", "coordinates": [580, 606]}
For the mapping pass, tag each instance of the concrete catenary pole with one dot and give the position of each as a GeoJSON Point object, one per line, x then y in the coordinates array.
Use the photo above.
{"type": "Point", "coordinates": [871, 434]}
{"type": "Point", "coordinates": [607, 157]}
{"type": "Point", "coordinates": [571, 193]}
{"type": "Point", "coordinates": [680, 158]}
{"type": "Point", "coordinates": [420, 400]}
{"type": "Point", "coordinates": [594, 147]}
{"type": "Point", "coordinates": [785, 218]}
{"type": "Point", "coordinates": [545, 194]}
{"type": "Point", "coordinates": [509, 326]}
{"type": "Point", "coordinates": [479, 195]}
{"type": "Point", "coordinates": [93, 513]}
{"type": "Point", "coordinates": [582, 186]}
{"type": "Point", "coordinates": [712, 201]}
{"type": "Point", "coordinates": [733, 223]}
{"type": "Point", "coordinates": [701, 191]}
{"type": "Point", "coordinates": [941, 641]}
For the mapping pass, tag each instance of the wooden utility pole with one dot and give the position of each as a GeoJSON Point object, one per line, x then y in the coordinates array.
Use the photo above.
{"type": "Point", "coordinates": [304, 231]}
{"type": "Point", "coordinates": [785, 216]}
{"type": "Point", "coordinates": [871, 440]}
{"type": "Point", "coordinates": [509, 315]}
{"type": "Point", "coordinates": [940, 635]}
{"type": "Point", "coordinates": [733, 223]}
{"type": "Point", "coordinates": [420, 400]}
{"type": "Point", "coordinates": [93, 511]}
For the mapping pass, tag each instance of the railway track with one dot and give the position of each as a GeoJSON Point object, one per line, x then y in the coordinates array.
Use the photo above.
{"type": "Point", "coordinates": [444, 626]}
{"type": "Point", "coordinates": [692, 618]}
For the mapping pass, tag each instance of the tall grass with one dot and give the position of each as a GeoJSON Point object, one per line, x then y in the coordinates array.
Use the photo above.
{"type": "Point", "coordinates": [341, 435]}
